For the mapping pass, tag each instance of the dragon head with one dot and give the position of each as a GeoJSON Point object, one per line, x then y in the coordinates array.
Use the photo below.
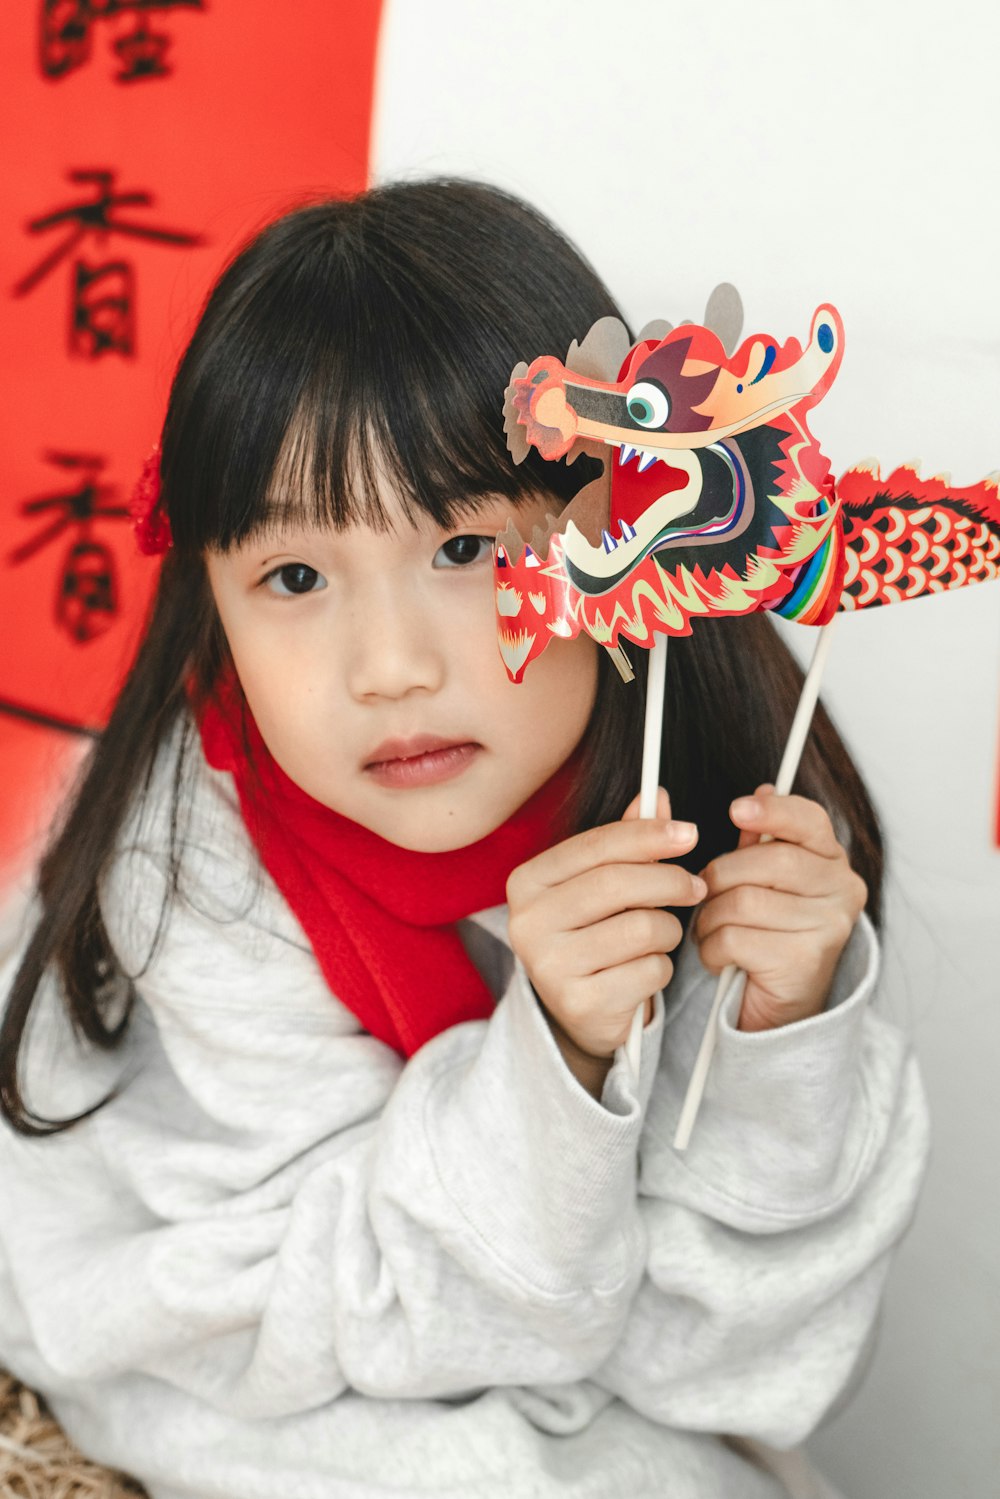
{"type": "Point", "coordinates": [715, 498]}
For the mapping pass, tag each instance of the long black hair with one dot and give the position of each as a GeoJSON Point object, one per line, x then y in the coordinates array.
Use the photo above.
{"type": "Point", "coordinates": [352, 339]}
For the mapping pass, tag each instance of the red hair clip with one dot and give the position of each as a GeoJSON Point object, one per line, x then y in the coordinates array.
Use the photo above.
{"type": "Point", "coordinates": [149, 519]}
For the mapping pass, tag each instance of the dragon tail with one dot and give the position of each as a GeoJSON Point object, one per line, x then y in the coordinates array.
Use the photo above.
{"type": "Point", "coordinates": [905, 536]}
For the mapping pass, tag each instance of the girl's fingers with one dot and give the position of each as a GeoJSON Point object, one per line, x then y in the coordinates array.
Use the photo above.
{"type": "Point", "coordinates": [789, 973]}
{"type": "Point", "coordinates": [631, 812]}
{"type": "Point", "coordinates": [622, 938]}
{"type": "Point", "coordinates": [638, 841]}
{"type": "Point", "coordinates": [760, 907]}
{"type": "Point", "coordinates": [757, 952]}
{"type": "Point", "coordinates": [792, 819]}
{"type": "Point", "coordinates": [747, 836]}
{"type": "Point", "coordinates": [779, 866]}
{"type": "Point", "coordinates": [619, 990]}
{"type": "Point", "coordinates": [613, 888]}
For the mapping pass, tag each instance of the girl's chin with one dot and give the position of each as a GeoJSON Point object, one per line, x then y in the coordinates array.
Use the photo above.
{"type": "Point", "coordinates": [436, 839]}
{"type": "Point", "coordinates": [438, 828]}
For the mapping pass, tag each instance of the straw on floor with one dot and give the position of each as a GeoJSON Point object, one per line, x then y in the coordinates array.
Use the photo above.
{"type": "Point", "coordinates": [37, 1459]}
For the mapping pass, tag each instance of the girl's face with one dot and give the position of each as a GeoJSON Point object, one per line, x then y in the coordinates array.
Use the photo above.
{"type": "Point", "coordinates": [369, 660]}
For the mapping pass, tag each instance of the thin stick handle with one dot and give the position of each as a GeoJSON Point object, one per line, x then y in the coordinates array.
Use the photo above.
{"type": "Point", "coordinates": [652, 732]}
{"type": "Point", "coordinates": [731, 976]}
{"type": "Point", "coordinates": [801, 723]}
{"type": "Point", "coordinates": [652, 739]}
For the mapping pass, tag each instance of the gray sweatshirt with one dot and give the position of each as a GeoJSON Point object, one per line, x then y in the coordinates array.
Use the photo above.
{"type": "Point", "coordinates": [285, 1262]}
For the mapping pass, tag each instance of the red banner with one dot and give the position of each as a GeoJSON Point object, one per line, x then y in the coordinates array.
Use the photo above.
{"type": "Point", "coordinates": [144, 140]}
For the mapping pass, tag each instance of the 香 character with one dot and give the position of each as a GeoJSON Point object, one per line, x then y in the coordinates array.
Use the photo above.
{"type": "Point", "coordinates": [87, 600]}
{"type": "Point", "coordinates": [102, 317]}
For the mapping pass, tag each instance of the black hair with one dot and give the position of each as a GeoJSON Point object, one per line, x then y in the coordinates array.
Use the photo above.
{"type": "Point", "coordinates": [352, 339]}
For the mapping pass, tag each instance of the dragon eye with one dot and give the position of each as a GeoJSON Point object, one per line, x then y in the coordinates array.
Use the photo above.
{"type": "Point", "coordinates": [648, 404]}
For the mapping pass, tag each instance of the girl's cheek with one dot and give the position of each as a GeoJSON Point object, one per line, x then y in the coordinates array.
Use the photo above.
{"type": "Point", "coordinates": [563, 684]}
{"type": "Point", "coordinates": [573, 670]}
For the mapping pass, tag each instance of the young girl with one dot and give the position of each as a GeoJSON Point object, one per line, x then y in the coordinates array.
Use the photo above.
{"type": "Point", "coordinates": [360, 1196]}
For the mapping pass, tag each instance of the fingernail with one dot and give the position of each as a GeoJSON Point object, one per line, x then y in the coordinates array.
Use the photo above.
{"type": "Point", "coordinates": [746, 807]}
{"type": "Point", "coordinates": [681, 832]}
{"type": "Point", "coordinates": [699, 886]}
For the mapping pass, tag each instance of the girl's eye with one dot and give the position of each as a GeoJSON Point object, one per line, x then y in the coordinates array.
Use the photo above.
{"type": "Point", "coordinates": [648, 404]}
{"type": "Point", "coordinates": [294, 577]}
{"type": "Point", "coordinates": [461, 550]}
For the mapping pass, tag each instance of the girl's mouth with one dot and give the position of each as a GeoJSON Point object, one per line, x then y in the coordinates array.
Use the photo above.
{"type": "Point", "coordinates": [424, 761]}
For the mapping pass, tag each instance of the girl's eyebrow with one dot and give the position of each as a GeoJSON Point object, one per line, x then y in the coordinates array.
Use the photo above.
{"type": "Point", "coordinates": [470, 509]}
{"type": "Point", "coordinates": [277, 510]}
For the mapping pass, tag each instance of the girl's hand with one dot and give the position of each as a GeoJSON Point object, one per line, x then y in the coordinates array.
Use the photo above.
{"type": "Point", "coordinates": [781, 910]}
{"type": "Point", "coordinates": [587, 922]}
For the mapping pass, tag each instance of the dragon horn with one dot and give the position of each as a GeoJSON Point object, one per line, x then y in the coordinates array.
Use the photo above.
{"type": "Point", "coordinates": [724, 315]}
{"type": "Point", "coordinates": [657, 329]}
{"type": "Point", "coordinates": [517, 444]}
{"type": "Point", "coordinates": [603, 351]}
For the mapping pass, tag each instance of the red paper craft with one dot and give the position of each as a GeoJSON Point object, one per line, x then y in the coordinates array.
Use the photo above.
{"type": "Point", "coordinates": [716, 499]}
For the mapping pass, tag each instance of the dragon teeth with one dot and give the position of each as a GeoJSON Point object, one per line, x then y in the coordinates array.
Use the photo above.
{"type": "Point", "coordinates": [628, 532]}
{"type": "Point", "coordinates": [609, 541]}
{"type": "Point", "coordinates": [626, 453]}
{"type": "Point", "coordinates": [646, 459]}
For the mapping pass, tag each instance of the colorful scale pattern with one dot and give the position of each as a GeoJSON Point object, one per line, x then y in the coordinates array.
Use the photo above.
{"type": "Point", "coordinates": [905, 536]}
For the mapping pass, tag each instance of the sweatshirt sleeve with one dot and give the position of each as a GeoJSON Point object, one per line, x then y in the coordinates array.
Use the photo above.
{"type": "Point", "coordinates": [770, 1238]}
{"type": "Point", "coordinates": [275, 1207]}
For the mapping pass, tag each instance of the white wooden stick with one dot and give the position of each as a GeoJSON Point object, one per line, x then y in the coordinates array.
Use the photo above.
{"type": "Point", "coordinates": [649, 781]}
{"type": "Point", "coordinates": [732, 977]}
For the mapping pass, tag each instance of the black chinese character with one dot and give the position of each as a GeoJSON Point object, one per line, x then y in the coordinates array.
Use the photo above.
{"type": "Point", "coordinates": [103, 303]}
{"type": "Point", "coordinates": [86, 601]}
{"type": "Point", "coordinates": [102, 318]}
{"type": "Point", "coordinates": [65, 29]}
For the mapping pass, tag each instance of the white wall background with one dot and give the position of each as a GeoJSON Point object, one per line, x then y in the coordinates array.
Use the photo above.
{"type": "Point", "coordinates": [810, 152]}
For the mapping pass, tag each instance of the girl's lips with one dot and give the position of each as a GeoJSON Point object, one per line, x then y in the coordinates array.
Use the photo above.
{"type": "Point", "coordinates": [419, 766]}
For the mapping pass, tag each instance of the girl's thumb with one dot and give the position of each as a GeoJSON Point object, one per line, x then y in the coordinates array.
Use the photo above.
{"type": "Point", "coordinates": [746, 838]}
{"type": "Point", "coordinates": [631, 812]}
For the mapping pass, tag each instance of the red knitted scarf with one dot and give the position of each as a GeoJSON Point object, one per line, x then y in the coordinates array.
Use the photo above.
{"type": "Point", "coordinates": [380, 918]}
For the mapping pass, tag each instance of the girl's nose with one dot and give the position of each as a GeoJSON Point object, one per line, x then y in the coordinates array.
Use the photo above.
{"type": "Point", "coordinates": [393, 650]}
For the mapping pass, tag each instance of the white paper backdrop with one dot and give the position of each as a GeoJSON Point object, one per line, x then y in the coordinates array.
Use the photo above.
{"type": "Point", "coordinates": [810, 152]}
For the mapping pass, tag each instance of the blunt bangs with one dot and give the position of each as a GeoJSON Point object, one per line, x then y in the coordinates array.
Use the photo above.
{"type": "Point", "coordinates": [365, 344]}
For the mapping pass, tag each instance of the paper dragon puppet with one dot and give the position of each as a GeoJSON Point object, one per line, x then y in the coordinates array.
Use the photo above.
{"type": "Point", "coordinates": [719, 501]}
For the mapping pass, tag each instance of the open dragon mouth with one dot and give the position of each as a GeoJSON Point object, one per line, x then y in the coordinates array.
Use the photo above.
{"type": "Point", "coordinates": [682, 499]}
{"type": "Point", "coordinates": [640, 477]}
